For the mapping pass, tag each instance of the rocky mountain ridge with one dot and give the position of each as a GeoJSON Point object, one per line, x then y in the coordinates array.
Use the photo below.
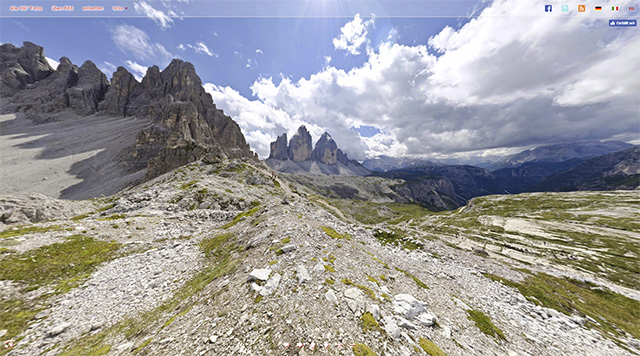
{"type": "Point", "coordinates": [618, 170]}
{"type": "Point", "coordinates": [181, 122]}
{"type": "Point", "coordinates": [300, 156]}
{"type": "Point", "coordinates": [580, 150]}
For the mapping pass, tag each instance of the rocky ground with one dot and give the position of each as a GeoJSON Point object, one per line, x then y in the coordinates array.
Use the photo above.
{"type": "Point", "coordinates": [219, 259]}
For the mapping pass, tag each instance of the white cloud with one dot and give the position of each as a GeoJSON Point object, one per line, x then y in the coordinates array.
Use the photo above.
{"type": "Point", "coordinates": [133, 41]}
{"type": "Point", "coordinates": [164, 20]}
{"type": "Point", "coordinates": [353, 35]}
{"type": "Point", "coordinates": [260, 123]}
{"type": "Point", "coordinates": [259, 51]}
{"type": "Point", "coordinates": [107, 68]}
{"type": "Point", "coordinates": [52, 62]}
{"type": "Point", "coordinates": [137, 70]}
{"type": "Point", "coordinates": [499, 82]}
{"type": "Point", "coordinates": [201, 47]}
{"type": "Point", "coordinates": [182, 47]}
{"type": "Point", "coordinates": [327, 60]}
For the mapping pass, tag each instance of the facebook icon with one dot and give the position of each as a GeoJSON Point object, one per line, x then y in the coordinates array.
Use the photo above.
{"type": "Point", "coordinates": [547, 8]}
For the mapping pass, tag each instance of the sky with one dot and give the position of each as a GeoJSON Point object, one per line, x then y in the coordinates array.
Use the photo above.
{"type": "Point", "coordinates": [491, 78]}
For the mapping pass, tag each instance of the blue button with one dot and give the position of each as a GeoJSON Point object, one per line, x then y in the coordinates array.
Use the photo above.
{"type": "Point", "coordinates": [623, 23]}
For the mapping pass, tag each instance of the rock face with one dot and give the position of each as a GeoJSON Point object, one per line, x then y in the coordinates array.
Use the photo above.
{"type": "Point", "coordinates": [21, 66]}
{"type": "Point", "coordinates": [326, 150]}
{"type": "Point", "coordinates": [279, 148]}
{"type": "Point", "coordinates": [300, 145]}
{"type": "Point", "coordinates": [184, 123]}
{"type": "Point", "coordinates": [325, 158]}
{"type": "Point", "coordinates": [89, 90]}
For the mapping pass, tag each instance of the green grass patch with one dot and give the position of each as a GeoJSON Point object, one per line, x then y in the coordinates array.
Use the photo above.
{"type": "Point", "coordinates": [329, 268]}
{"type": "Point", "coordinates": [347, 282]}
{"type": "Point", "coordinates": [420, 283]}
{"type": "Point", "coordinates": [363, 350]}
{"type": "Point", "coordinates": [113, 217]}
{"type": "Point", "coordinates": [243, 215]}
{"type": "Point", "coordinates": [369, 323]}
{"type": "Point", "coordinates": [212, 244]}
{"type": "Point", "coordinates": [60, 262]}
{"type": "Point", "coordinates": [188, 185]}
{"type": "Point", "coordinates": [484, 323]}
{"type": "Point", "coordinates": [367, 291]}
{"type": "Point", "coordinates": [430, 348]}
{"type": "Point", "coordinates": [330, 281]}
{"type": "Point", "coordinates": [15, 316]}
{"type": "Point", "coordinates": [615, 313]}
{"type": "Point", "coordinates": [334, 234]}
{"type": "Point", "coordinates": [18, 231]}
{"type": "Point", "coordinates": [286, 240]}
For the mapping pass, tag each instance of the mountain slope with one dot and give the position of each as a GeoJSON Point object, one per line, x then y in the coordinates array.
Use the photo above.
{"type": "Point", "coordinates": [618, 170]}
{"type": "Point", "coordinates": [220, 259]}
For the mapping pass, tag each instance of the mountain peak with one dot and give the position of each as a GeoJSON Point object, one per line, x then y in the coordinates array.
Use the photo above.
{"type": "Point", "coordinates": [298, 156]}
{"type": "Point", "coordinates": [300, 148]}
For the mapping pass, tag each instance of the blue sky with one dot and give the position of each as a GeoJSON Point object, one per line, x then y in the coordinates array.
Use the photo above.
{"type": "Point", "coordinates": [436, 87]}
{"type": "Point", "coordinates": [242, 49]}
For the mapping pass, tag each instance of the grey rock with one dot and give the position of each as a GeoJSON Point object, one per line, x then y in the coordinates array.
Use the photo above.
{"type": "Point", "coordinates": [288, 248]}
{"type": "Point", "coordinates": [354, 299]}
{"type": "Point", "coordinates": [261, 274]}
{"type": "Point", "coordinates": [125, 347]}
{"type": "Point", "coordinates": [331, 297]}
{"type": "Point", "coordinates": [58, 329]}
{"type": "Point", "coordinates": [404, 323]}
{"type": "Point", "coordinates": [271, 286]}
{"type": "Point", "coordinates": [408, 306]}
{"type": "Point", "coordinates": [3, 332]}
{"type": "Point", "coordinates": [391, 327]}
{"type": "Point", "coordinates": [427, 319]}
{"type": "Point", "coordinates": [303, 274]}
{"type": "Point", "coordinates": [374, 309]}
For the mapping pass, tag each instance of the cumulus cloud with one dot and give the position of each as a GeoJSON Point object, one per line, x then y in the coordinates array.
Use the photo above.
{"type": "Point", "coordinates": [163, 20]}
{"type": "Point", "coordinates": [499, 82]}
{"type": "Point", "coordinates": [353, 35]}
{"type": "Point", "coordinates": [134, 41]}
{"type": "Point", "coordinates": [260, 123]}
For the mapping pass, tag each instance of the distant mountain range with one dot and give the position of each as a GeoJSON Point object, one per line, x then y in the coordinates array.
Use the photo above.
{"type": "Point", "coordinates": [459, 183]}
{"type": "Point", "coordinates": [298, 156]}
{"type": "Point", "coordinates": [618, 170]}
{"type": "Point", "coordinates": [563, 152]}
{"type": "Point", "coordinates": [387, 163]}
